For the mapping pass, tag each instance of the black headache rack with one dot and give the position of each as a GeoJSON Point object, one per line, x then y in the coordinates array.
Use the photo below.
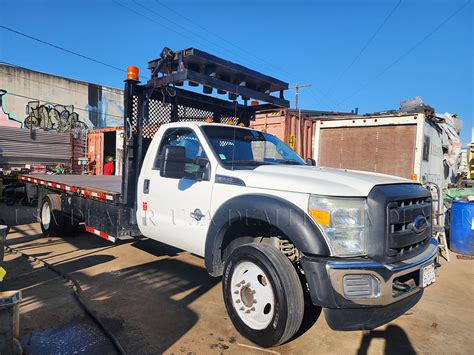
{"type": "Point", "coordinates": [160, 101]}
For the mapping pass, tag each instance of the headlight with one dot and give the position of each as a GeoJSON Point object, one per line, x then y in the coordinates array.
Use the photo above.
{"type": "Point", "coordinates": [345, 222]}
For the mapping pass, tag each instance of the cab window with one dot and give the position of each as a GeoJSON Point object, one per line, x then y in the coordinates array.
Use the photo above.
{"type": "Point", "coordinates": [186, 138]}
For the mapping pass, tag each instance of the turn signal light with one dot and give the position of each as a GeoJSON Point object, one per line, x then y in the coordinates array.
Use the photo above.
{"type": "Point", "coordinates": [132, 73]}
{"type": "Point", "coordinates": [414, 177]}
{"type": "Point", "coordinates": [320, 216]}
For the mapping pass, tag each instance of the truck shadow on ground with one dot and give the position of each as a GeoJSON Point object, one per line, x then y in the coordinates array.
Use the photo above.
{"type": "Point", "coordinates": [157, 296]}
{"type": "Point", "coordinates": [396, 341]}
{"type": "Point", "coordinates": [146, 306]}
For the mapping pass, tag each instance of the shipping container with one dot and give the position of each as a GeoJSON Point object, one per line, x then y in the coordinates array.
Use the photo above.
{"type": "Point", "coordinates": [103, 143]}
{"type": "Point", "coordinates": [294, 127]}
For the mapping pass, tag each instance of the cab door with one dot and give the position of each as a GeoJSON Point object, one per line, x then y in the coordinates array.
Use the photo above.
{"type": "Point", "coordinates": [176, 211]}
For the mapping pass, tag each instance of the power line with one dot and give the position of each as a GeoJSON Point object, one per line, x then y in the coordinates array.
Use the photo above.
{"type": "Point", "coordinates": [404, 54]}
{"type": "Point", "coordinates": [112, 90]}
{"type": "Point", "coordinates": [280, 69]}
{"type": "Point", "coordinates": [266, 62]}
{"type": "Point", "coordinates": [366, 45]}
{"type": "Point", "coordinates": [184, 28]}
{"type": "Point", "coordinates": [61, 48]}
{"type": "Point", "coordinates": [188, 33]}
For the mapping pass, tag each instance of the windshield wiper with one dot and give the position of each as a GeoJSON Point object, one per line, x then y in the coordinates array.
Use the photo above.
{"type": "Point", "coordinates": [230, 162]}
{"type": "Point", "coordinates": [291, 162]}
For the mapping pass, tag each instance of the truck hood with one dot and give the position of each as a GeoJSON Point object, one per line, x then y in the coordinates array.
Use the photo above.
{"type": "Point", "coordinates": [315, 180]}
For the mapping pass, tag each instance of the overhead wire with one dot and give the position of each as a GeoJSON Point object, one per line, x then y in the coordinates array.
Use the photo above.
{"type": "Point", "coordinates": [223, 39]}
{"type": "Point", "coordinates": [364, 47]}
{"type": "Point", "coordinates": [103, 88]}
{"type": "Point", "coordinates": [326, 97]}
{"type": "Point", "coordinates": [405, 53]}
{"type": "Point", "coordinates": [61, 48]}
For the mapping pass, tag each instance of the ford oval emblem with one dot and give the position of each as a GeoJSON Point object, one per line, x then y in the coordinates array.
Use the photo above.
{"type": "Point", "coordinates": [419, 225]}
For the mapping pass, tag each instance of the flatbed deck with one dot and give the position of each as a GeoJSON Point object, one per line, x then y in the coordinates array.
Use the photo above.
{"type": "Point", "coordinates": [102, 187]}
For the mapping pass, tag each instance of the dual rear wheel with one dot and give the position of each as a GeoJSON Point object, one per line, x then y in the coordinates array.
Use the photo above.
{"type": "Point", "coordinates": [53, 222]}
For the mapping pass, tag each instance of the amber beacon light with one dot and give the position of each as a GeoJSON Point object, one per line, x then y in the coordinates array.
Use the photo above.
{"type": "Point", "coordinates": [132, 73]}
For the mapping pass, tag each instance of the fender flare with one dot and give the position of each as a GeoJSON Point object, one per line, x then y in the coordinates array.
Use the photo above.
{"type": "Point", "coordinates": [284, 215]}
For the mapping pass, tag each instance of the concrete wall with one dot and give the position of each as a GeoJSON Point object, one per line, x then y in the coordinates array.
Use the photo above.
{"type": "Point", "coordinates": [55, 103]}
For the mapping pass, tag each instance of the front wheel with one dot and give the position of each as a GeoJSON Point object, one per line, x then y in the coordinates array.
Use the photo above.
{"type": "Point", "coordinates": [263, 294]}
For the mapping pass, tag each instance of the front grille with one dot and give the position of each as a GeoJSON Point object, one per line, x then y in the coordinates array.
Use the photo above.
{"type": "Point", "coordinates": [391, 209]}
{"type": "Point", "coordinates": [403, 238]}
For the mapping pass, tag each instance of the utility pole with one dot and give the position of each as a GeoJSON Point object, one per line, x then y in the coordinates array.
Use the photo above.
{"type": "Point", "coordinates": [297, 91]}
{"type": "Point", "coordinates": [300, 122]}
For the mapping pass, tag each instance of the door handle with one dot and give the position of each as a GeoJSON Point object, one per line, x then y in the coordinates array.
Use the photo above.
{"type": "Point", "coordinates": [146, 186]}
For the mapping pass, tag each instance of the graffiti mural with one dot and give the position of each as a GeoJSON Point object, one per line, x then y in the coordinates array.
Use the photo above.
{"type": "Point", "coordinates": [6, 119]}
{"type": "Point", "coordinates": [105, 108]}
{"type": "Point", "coordinates": [56, 117]}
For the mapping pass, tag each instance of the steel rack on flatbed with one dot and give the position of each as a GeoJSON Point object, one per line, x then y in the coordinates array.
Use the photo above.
{"type": "Point", "coordinates": [108, 204]}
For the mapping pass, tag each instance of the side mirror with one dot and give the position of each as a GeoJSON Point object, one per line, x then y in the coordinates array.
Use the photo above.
{"type": "Point", "coordinates": [173, 162]}
{"type": "Point", "coordinates": [311, 161]}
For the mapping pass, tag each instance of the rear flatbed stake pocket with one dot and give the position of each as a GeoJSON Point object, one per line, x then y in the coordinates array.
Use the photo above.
{"type": "Point", "coordinates": [277, 229]}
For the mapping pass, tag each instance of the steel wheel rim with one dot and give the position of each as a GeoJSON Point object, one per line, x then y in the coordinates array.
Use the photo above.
{"type": "Point", "coordinates": [252, 295]}
{"type": "Point", "coordinates": [46, 215]}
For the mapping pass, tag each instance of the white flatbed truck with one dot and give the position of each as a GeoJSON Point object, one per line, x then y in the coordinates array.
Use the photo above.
{"type": "Point", "coordinates": [276, 228]}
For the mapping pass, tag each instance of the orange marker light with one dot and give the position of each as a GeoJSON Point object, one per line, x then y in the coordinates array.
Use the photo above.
{"type": "Point", "coordinates": [414, 177]}
{"type": "Point", "coordinates": [132, 73]}
{"type": "Point", "coordinates": [322, 217]}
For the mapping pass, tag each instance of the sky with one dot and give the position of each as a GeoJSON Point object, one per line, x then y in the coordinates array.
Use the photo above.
{"type": "Point", "coordinates": [369, 54]}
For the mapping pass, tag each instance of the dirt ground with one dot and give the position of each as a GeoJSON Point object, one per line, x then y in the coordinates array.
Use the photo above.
{"type": "Point", "coordinates": [156, 299]}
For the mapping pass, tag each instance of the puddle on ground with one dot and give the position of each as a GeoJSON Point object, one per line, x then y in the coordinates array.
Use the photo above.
{"type": "Point", "coordinates": [80, 336]}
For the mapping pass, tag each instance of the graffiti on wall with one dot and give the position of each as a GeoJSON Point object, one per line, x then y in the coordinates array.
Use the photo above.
{"type": "Point", "coordinates": [6, 119]}
{"type": "Point", "coordinates": [105, 110]}
{"type": "Point", "coordinates": [56, 117]}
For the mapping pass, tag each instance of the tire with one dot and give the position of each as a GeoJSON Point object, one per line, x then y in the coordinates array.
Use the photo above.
{"type": "Point", "coordinates": [263, 294]}
{"type": "Point", "coordinates": [51, 219]}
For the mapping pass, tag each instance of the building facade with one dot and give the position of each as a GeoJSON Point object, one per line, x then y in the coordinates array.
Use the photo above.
{"type": "Point", "coordinates": [50, 102]}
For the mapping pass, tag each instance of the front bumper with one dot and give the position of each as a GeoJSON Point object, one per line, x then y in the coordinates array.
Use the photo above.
{"type": "Point", "coordinates": [325, 277]}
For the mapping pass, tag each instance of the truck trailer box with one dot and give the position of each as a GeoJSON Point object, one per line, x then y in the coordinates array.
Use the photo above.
{"type": "Point", "coordinates": [413, 146]}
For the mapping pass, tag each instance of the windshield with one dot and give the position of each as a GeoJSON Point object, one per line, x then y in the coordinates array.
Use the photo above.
{"type": "Point", "coordinates": [239, 148]}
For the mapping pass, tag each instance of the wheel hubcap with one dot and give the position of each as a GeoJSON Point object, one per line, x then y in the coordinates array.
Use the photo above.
{"type": "Point", "coordinates": [46, 215]}
{"type": "Point", "coordinates": [252, 295]}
